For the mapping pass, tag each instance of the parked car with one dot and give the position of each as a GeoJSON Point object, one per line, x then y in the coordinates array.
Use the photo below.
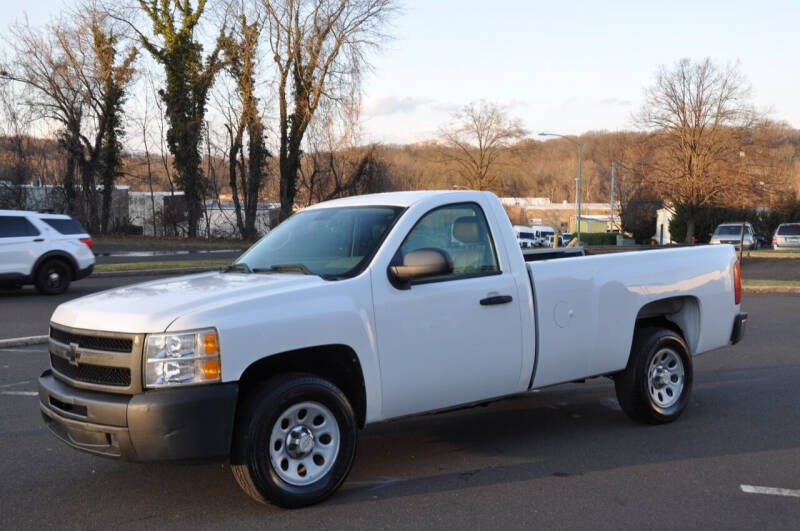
{"type": "Point", "coordinates": [566, 237]}
{"type": "Point", "coordinates": [731, 233]}
{"type": "Point", "coordinates": [364, 309]}
{"type": "Point", "coordinates": [47, 250]}
{"type": "Point", "coordinates": [787, 236]}
{"type": "Point", "coordinates": [525, 236]}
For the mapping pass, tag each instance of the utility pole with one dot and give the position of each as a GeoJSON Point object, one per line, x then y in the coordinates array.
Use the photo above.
{"type": "Point", "coordinates": [613, 172]}
{"type": "Point", "coordinates": [580, 186]}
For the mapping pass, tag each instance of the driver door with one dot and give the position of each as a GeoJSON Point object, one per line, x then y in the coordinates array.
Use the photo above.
{"type": "Point", "coordinates": [446, 340]}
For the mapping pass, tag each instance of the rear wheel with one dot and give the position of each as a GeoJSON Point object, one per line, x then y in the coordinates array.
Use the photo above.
{"type": "Point", "coordinates": [53, 277]}
{"type": "Point", "coordinates": [656, 385]}
{"type": "Point", "coordinates": [295, 441]}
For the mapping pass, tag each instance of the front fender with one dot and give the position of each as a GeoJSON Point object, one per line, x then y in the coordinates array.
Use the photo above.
{"type": "Point", "coordinates": [335, 312]}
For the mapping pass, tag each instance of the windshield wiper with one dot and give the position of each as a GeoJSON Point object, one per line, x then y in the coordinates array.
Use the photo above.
{"type": "Point", "coordinates": [285, 268]}
{"type": "Point", "coordinates": [240, 267]}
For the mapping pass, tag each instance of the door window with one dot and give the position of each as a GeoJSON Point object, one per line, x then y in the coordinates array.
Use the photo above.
{"type": "Point", "coordinates": [16, 226]}
{"type": "Point", "coordinates": [462, 232]}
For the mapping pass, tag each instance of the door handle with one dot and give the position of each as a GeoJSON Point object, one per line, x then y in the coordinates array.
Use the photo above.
{"type": "Point", "coordinates": [496, 299]}
{"type": "Point", "coordinates": [39, 240]}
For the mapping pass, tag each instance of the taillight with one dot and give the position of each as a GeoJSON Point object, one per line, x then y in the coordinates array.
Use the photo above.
{"type": "Point", "coordinates": [737, 282]}
{"type": "Point", "coordinates": [775, 239]}
{"type": "Point", "coordinates": [87, 241]}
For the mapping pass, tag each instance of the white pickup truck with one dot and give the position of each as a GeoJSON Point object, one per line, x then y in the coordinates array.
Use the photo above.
{"type": "Point", "coordinates": [364, 309]}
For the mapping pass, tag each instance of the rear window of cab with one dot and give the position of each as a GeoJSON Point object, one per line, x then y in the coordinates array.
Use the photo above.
{"type": "Point", "coordinates": [65, 225]}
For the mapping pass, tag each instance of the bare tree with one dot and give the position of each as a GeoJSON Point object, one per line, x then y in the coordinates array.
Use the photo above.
{"type": "Point", "coordinates": [240, 47]}
{"type": "Point", "coordinates": [319, 48]}
{"type": "Point", "coordinates": [15, 147]}
{"type": "Point", "coordinates": [188, 80]}
{"type": "Point", "coordinates": [478, 138]}
{"type": "Point", "coordinates": [75, 80]}
{"type": "Point", "coordinates": [334, 164]}
{"type": "Point", "coordinates": [700, 112]}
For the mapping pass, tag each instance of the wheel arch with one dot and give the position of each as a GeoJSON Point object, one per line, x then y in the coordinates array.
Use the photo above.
{"type": "Point", "coordinates": [680, 314]}
{"type": "Point", "coordinates": [60, 255]}
{"type": "Point", "coordinates": [337, 363]}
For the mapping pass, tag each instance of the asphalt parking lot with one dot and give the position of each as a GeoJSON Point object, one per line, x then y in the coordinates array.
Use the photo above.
{"type": "Point", "coordinates": [26, 313]}
{"type": "Point", "coordinates": [565, 457]}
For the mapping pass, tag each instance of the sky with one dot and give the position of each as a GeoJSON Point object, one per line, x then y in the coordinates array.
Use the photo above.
{"type": "Point", "coordinates": [565, 67]}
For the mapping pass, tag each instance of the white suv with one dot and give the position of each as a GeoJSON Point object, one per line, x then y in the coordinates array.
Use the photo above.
{"type": "Point", "coordinates": [48, 250]}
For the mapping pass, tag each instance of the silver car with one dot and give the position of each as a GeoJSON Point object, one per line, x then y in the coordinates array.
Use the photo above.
{"type": "Point", "coordinates": [732, 233]}
{"type": "Point", "coordinates": [787, 235]}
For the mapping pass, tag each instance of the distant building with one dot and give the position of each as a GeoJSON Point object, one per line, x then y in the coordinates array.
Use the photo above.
{"type": "Point", "coordinates": [595, 217]}
{"type": "Point", "coordinates": [163, 213]}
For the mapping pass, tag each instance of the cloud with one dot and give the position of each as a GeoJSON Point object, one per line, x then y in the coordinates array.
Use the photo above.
{"type": "Point", "coordinates": [615, 102]}
{"type": "Point", "coordinates": [388, 105]}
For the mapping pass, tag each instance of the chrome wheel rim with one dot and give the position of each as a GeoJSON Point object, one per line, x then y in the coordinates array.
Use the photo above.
{"type": "Point", "coordinates": [53, 278]}
{"type": "Point", "coordinates": [304, 443]}
{"type": "Point", "coordinates": [665, 378]}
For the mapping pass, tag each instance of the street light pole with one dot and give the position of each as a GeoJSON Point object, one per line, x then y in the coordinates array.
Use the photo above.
{"type": "Point", "coordinates": [578, 187]}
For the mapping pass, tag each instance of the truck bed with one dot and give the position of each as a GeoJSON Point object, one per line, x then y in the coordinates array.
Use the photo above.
{"type": "Point", "coordinates": [587, 306]}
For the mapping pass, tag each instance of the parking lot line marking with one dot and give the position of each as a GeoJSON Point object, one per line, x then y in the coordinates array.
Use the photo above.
{"type": "Point", "coordinates": [23, 382]}
{"type": "Point", "coordinates": [19, 393]}
{"type": "Point", "coordinates": [752, 489]}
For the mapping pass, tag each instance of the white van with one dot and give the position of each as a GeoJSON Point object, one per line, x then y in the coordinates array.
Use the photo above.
{"type": "Point", "coordinates": [525, 236]}
{"type": "Point", "coordinates": [543, 235]}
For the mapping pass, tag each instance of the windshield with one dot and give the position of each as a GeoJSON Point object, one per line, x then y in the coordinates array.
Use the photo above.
{"type": "Point", "coordinates": [789, 230]}
{"type": "Point", "coordinates": [526, 235]}
{"type": "Point", "coordinates": [329, 242]}
{"type": "Point", "coordinates": [728, 230]}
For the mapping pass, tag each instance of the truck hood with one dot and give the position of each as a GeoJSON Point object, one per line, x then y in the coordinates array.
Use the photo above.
{"type": "Point", "coordinates": [152, 306]}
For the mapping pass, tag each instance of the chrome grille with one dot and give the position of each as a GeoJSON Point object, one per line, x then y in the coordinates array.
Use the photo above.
{"type": "Point", "coordinates": [97, 360]}
{"type": "Point", "coordinates": [110, 344]}
{"type": "Point", "coordinates": [96, 374]}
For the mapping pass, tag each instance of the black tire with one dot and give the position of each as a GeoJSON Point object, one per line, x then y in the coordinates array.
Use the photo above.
{"type": "Point", "coordinates": [637, 393]}
{"type": "Point", "coordinates": [257, 417]}
{"type": "Point", "coordinates": [53, 277]}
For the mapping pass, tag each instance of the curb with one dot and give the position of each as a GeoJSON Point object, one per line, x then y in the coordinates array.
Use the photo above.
{"type": "Point", "coordinates": [23, 341]}
{"type": "Point", "coordinates": [151, 272]}
{"type": "Point", "coordinates": [770, 289]}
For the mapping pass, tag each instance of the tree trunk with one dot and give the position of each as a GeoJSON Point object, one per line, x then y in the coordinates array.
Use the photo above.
{"type": "Point", "coordinates": [288, 166]}
{"type": "Point", "coordinates": [108, 191]}
{"type": "Point", "coordinates": [690, 225]}
{"type": "Point", "coordinates": [257, 155]}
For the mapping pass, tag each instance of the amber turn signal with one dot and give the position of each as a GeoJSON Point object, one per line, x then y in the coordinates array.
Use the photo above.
{"type": "Point", "coordinates": [211, 369]}
{"type": "Point", "coordinates": [210, 344]}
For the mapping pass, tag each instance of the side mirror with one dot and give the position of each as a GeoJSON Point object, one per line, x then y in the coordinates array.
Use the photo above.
{"type": "Point", "coordinates": [422, 263]}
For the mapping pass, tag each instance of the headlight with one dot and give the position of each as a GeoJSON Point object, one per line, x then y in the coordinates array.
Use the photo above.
{"type": "Point", "coordinates": [182, 358]}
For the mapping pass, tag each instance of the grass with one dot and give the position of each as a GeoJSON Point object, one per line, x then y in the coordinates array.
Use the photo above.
{"type": "Point", "coordinates": [174, 243]}
{"type": "Point", "coordinates": [761, 282]}
{"type": "Point", "coordinates": [771, 253]}
{"type": "Point", "coordinates": [172, 264]}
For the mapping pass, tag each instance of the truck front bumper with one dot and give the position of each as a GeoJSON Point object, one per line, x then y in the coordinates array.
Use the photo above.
{"type": "Point", "coordinates": [191, 423]}
{"type": "Point", "coordinates": [738, 328]}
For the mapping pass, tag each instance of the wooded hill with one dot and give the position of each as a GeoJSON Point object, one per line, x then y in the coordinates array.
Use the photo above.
{"type": "Point", "coordinates": [764, 173]}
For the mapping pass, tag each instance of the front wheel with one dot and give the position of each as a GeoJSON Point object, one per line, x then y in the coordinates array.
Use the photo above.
{"type": "Point", "coordinates": [295, 441]}
{"type": "Point", "coordinates": [53, 277]}
{"type": "Point", "coordinates": [655, 386]}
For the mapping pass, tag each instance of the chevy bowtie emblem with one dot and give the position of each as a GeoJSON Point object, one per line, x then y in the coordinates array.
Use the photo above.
{"type": "Point", "coordinates": [73, 355]}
